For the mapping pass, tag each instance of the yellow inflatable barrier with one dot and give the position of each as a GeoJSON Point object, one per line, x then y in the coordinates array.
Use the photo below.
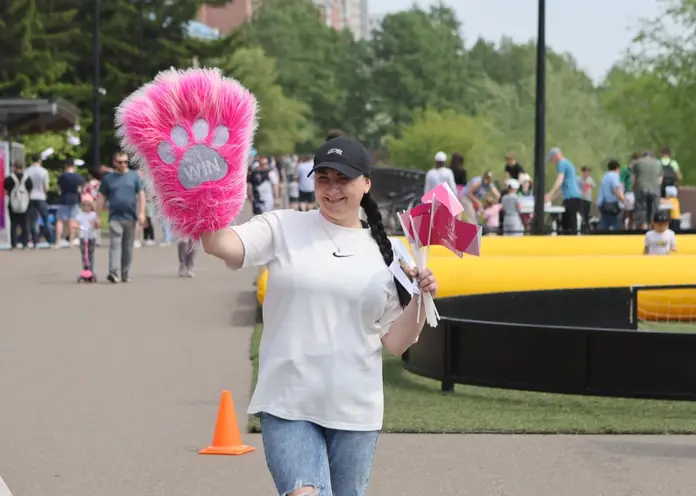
{"type": "Point", "coordinates": [544, 246]}
{"type": "Point", "coordinates": [476, 275]}
{"type": "Point", "coordinates": [261, 284]}
{"type": "Point", "coordinates": [667, 305]}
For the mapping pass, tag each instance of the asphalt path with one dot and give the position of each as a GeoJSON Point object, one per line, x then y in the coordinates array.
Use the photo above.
{"type": "Point", "coordinates": [112, 389]}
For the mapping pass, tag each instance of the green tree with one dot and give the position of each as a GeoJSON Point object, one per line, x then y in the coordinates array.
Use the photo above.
{"type": "Point", "coordinates": [282, 122]}
{"type": "Point", "coordinates": [419, 62]}
{"type": "Point", "coordinates": [577, 121]}
{"type": "Point", "coordinates": [433, 130]}
{"type": "Point", "coordinates": [646, 103]}
{"type": "Point", "coordinates": [138, 39]}
{"type": "Point", "coordinates": [653, 90]}
{"type": "Point", "coordinates": [309, 57]}
{"type": "Point", "coordinates": [510, 63]}
{"type": "Point", "coordinates": [36, 45]}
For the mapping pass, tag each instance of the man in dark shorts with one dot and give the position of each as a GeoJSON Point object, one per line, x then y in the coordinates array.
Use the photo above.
{"type": "Point", "coordinates": [305, 183]}
{"type": "Point", "coordinates": [70, 184]}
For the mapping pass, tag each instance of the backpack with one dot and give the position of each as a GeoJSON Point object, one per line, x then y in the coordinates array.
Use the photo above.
{"type": "Point", "coordinates": [669, 175]}
{"type": "Point", "coordinates": [19, 196]}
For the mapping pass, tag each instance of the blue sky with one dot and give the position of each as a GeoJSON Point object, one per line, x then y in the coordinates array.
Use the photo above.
{"type": "Point", "coordinates": [596, 32]}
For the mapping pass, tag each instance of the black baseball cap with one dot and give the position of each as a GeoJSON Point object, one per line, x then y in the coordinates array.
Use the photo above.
{"type": "Point", "coordinates": [345, 155]}
{"type": "Point", "coordinates": [661, 216]}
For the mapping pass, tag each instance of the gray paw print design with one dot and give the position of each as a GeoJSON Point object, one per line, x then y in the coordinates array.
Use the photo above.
{"type": "Point", "coordinates": [201, 163]}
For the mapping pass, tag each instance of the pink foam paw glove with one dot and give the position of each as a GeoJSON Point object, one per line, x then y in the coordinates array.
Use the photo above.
{"type": "Point", "coordinates": [191, 132]}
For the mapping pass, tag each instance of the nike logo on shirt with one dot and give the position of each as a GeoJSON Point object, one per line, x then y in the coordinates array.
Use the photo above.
{"type": "Point", "coordinates": [341, 255]}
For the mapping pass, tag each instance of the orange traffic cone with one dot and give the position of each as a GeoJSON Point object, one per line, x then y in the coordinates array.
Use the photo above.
{"type": "Point", "coordinates": [227, 440]}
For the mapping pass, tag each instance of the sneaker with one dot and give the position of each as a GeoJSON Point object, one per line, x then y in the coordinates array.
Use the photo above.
{"type": "Point", "coordinates": [125, 277]}
{"type": "Point", "coordinates": [190, 274]}
{"type": "Point", "coordinates": [137, 244]}
{"type": "Point", "coordinates": [113, 278]}
{"type": "Point", "coordinates": [182, 271]}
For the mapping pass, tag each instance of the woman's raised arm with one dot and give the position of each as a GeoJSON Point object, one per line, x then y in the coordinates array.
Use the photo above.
{"type": "Point", "coordinates": [226, 245]}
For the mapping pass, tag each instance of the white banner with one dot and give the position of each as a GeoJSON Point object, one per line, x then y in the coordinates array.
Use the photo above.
{"type": "Point", "coordinates": [8, 154]}
{"type": "Point", "coordinates": [4, 214]}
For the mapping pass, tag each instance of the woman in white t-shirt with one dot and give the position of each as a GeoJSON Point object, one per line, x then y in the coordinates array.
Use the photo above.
{"type": "Point", "coordinates": [331, 305]}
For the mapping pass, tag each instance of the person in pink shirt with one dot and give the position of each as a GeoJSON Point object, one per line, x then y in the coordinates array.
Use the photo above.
{"type": "Point", "coordinates": [491, 215]}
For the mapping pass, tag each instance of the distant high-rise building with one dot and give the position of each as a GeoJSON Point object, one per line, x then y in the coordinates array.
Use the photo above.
{"type": "Point", "coordinates": [228, 17]}
{"type": "Point", "coordinates": [339, 14]}
{"type": "Point", "coordinates": [347, 14]}
{"type": "Point", "coordinates": [373, 23]}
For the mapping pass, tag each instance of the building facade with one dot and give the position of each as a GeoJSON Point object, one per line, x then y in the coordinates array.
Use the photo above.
{"type": "Point", "coordinates": [339, 14]}
{"type": "Point", "coordinates": [228, 17]}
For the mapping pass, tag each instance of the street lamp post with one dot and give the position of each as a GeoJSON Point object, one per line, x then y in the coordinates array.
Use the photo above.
{"type": "Point", "coordinates": [540, 124]}
{"type": "Point", "coordinates": [96, 86]}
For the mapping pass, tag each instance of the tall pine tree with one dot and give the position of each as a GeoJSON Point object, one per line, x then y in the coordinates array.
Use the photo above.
{"type": "Point", "coordinates": [138, 39]}
{"type": "Point", "coordinates": [36, 40]}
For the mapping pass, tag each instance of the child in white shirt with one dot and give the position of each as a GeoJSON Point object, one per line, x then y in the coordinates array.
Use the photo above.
{"type": "Point", "coordinates": [89, 224]}
{"type": "Point", "coordinates": [660, 240]}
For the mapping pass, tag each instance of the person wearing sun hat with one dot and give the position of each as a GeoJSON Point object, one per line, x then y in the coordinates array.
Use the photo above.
{"type": "Point", "coordinates": [512, 203]}
{"type": "Point", "coordinates": [440, 174]}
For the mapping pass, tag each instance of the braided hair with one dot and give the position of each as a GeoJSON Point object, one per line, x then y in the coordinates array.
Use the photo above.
{"type": "Point", "coordinates": [374, 221]}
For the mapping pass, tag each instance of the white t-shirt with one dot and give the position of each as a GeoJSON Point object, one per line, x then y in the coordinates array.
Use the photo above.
{"type": "Point", "coordinates": [324, 317]}
{"type": "Point", "coordinates": [434, 177]}
{"type": "Point", "coordinates": [86, 222]}
{"type": "Point", "coordinates": [306, 184]}
{"type": "Point", "coordinates": [39, 178]}
{"type": "Point", "coordinates": [660, 243]}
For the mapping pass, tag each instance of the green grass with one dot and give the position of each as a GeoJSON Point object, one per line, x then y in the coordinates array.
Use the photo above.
{"type": "Point", "coordinates": [104, 221]}
{"type": "Point", "coordinates": [415, 404]}
{"type": "Point", "coordinates": [679, 327]}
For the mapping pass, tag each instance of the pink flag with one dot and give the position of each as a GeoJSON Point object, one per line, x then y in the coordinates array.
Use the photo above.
{"type": "Point", "coordinates": [457, 236]}
{"type": "Point", "coordinates": [446, 196]}
{"type": "Point", "coordinates": [421, 221]}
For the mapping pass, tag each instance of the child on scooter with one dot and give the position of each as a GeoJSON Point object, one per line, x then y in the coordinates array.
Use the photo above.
{"type": "Point", "coordinates": [89, 224]}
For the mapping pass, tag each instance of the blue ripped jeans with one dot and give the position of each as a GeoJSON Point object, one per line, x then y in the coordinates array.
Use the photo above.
{"type": "Point", "coordinates": [299, 454]}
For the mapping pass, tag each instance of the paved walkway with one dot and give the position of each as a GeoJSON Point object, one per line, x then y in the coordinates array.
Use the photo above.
{"type": "Point", "coordinates": [111, 390]}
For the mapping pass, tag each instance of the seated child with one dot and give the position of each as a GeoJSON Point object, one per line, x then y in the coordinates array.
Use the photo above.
{"type": "Point", "coordinates": [660, 240]}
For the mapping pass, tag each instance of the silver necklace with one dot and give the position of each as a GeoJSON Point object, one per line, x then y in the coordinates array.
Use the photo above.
{"type": "Point", "coordinates": [338, 253]}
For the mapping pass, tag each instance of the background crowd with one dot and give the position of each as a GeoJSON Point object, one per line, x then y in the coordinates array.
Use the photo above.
{"type": "Point", "coordinates": [627, 197]}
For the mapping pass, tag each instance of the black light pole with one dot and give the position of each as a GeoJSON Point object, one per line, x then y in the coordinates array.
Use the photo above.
{"type": "Point", "coordinates": [96, 85]}
{"type": "Point", "coordinates": [540, 125]}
